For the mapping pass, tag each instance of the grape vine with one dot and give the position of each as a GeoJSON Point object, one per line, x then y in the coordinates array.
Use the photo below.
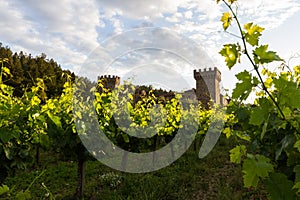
{"type": "Point", "coordinates": [270, 127]}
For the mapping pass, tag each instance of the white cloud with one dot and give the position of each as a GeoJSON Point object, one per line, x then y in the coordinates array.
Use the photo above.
{"type": "Point", "coordinates": [68, 30]}
{"type": "Point", "coordinates": [138, 9]}
{"type": "Point", "coordinates": [65, 30]}
{"type": "Point", "coordinates": [188, 14]}
{"type": "Point", "coordinates": [175, 18]}
{"type": "Point", "coordinates": [268, 13]}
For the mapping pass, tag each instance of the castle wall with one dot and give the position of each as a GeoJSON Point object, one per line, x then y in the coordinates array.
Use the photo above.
{"type": "Point", "coordinates": [207, 85]}
{"type": "Point", "coordinates": [202, 91]}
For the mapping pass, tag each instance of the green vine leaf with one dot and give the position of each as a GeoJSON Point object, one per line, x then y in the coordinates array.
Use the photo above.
{"type": "Point", "coordinates": [6, 71]}
{"type": "Point", "coordinates": [286, 88]}
{"type": "Point", "coordinates": [23, 195]}
{"type": "Point", "coordinates": [297, 172]}
{"type": "Point", "coordinates": [227, 132]}
{"type": "Point", "coordinates": [261, 55]}
{"type": "Point", "coordinates": [55, 119]}
{"type": "Point", "coordinates": [252, 34]}
{"type": "Point", "coordinates": [255, 167]}
{"type": "Point", "coordinates": [244, 87]}
{"type": "Point", "coordinates": [4, 189]}
{"type": "Point", "coordinates": [297, 186]}
{"type": "Point", "coordinates": [125, 138]}
{"type": "Point", "coordinates": [237, 153]}
{"type": "Point", "coordinates": [232, 54]}
{"type": "Point", "coordinates": [226, 19]}
{"type": "Point", "coordinates": [297, 145]}
{"type": "Point", "coordinates": [279, 187]}
{"type": "Point", "coordinates": [260, 113]}
{"type": "Point", "coordinates": [258, 116]}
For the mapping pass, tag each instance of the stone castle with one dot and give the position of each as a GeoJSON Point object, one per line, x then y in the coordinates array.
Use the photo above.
{"type": "Point", "coordinates": [207, 86]}
{"type": "Point", "coordinates": [110, 82]}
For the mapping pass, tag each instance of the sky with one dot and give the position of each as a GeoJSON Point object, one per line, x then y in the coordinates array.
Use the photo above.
{"type": "Point", "coordinates": [149, 40]}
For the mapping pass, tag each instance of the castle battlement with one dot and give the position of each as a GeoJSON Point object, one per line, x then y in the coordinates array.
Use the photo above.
{"type": "Point", "coordinates": [110, 81]}
{"type": "Point", "coordinates": [108, 77]}
{"type": "Point", "coordinates": [208, 69]}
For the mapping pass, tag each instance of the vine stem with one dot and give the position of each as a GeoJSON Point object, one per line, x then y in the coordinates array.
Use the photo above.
{"type": "Point", "coordinates": [251, 60]}
{"type": "Point", "coordinates": [37, 177]}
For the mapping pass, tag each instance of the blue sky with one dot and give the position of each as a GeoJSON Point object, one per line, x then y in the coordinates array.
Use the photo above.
{"type": "Point", "coordinates": [70, 31]}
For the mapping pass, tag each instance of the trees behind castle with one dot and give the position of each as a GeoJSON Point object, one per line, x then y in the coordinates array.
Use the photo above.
{"type": "Point", "coordinates": [25, 69]}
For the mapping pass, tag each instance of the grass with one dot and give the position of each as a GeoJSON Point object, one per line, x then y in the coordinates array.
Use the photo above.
{"type": "Point", "coordinates": [213, 177]}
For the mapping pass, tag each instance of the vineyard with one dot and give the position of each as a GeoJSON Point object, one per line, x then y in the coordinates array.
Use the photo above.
{"type": "Point", "coordinates": [45, 127]}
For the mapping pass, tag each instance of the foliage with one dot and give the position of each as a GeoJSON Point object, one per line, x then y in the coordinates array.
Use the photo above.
{"type": "Point", "coordinates": [22, 126]}
{"type": "Point", "coordinates": [36, 111]}
{"type": "Point", "coordinates": [213, 177]}
{"type": "Point", "coordinates": [10, 193]}
{"type": "Point", "coordinates": [26, 69]}
{"type": "Point", "coordinates": [255, 167]}
{"type": "Point", "coordinates": [271, 125]}
{"type": "Point", "coordinates": [151, 122]}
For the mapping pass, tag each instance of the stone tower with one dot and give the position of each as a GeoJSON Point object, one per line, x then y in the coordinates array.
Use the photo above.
{"type": "Point", "coordinates": [208, 85]}
{"type": "Point", "coordinates": [110, 82]}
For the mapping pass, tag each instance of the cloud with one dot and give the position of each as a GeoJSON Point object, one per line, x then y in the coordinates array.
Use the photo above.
{"type": "Point", "coordinates": [177, 17]}
{"type": "Point", "coordinates": [69, 30]}
{"type": "Point", "coordinates": [136, 9]}
{"type": "Point", "coordinates": [188, 14]}
{"type": "Point", "coordinates": [148, 48]}
{"type": "Point", "coordinates": [268, 13]}
{"type": "Point", "coordinates": [64, 30]}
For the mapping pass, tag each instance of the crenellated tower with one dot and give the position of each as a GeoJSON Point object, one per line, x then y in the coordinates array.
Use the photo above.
{"type": "Point", "coordinates": [208, 85]}
{"type": "Point", "coordinates": [110, 82]}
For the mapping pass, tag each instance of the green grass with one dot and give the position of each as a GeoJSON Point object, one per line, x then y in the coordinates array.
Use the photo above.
{"type": "Point", "coordinates": [213, 177]}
